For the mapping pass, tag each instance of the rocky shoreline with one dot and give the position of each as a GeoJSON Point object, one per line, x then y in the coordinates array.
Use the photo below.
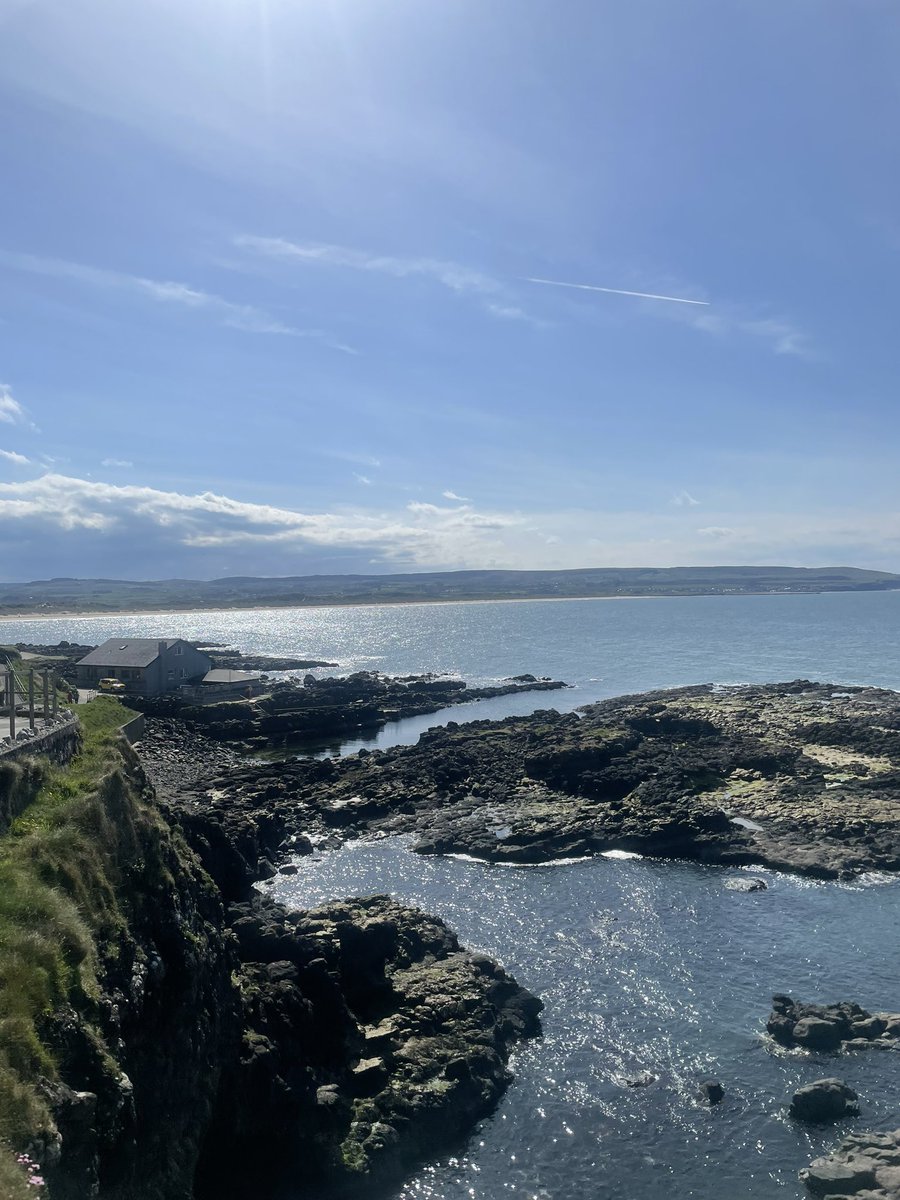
{"type": "Point", "coordinates": [330, 709]}
{"type": "Point", "coordinates": [222, 1044]}
{"type": "Point", "coordinates": [370, 1039]}
{"type": "Point", "coordinates": [799, 777]}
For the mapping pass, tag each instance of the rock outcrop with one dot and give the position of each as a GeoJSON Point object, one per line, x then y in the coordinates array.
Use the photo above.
{"type": "Point", "coordinates": [212, 1043]}
{"type": "Point", "coordinates": [829, 1026]}
{"type": "Point", "coordinates": [865, 1165]}
{"type": "Point", "coordinates": [824, 1100]}
{"type": "Point", "coordinates": [328, 709]}
{"type": "Point", "coordinates": [802, 777]}
{"type": "Point", "coordinates": [370, 1040]}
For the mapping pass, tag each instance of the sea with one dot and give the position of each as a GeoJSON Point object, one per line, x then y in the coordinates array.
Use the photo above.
{"type": "Point", "coordinates": [651, 972]}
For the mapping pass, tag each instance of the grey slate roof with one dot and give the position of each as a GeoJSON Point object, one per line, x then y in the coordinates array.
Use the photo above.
{"type": "Point", "coordinates": [120, 652]}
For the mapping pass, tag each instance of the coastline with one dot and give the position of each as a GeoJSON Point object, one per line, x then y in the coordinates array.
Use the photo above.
{"type": "Point", "coordinates": [68, 614]}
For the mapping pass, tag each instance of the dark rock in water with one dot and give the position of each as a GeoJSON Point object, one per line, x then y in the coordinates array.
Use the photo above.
{"type": "Point", "coordinates": [319, 709]}
{"type": "Point", "coordinates": [828, 1026]}
{"type": "Point", "coordinates": [710, 1091]}
{"type": "Point", "coordinates": [825, 1100]}
{"type": "Point", "coordinates": [864, 1163]}
{"type": "Point", "coordinates": [750, 883]}
{"type": "Point", "coordinates": [645, 1079]}
{"type": "Point", "coordinates": [817, 1034]}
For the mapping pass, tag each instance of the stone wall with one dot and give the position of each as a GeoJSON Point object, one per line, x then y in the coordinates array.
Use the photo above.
{"type": "Point", "coordinates": [57, 738]}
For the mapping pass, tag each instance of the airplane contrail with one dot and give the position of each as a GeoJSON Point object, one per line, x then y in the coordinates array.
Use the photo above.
{"type": "Point", "coordinates": [591, 287]}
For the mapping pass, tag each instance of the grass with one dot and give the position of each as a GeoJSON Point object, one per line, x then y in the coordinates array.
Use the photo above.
{"type": "Point", "coordinates": [59, 865]}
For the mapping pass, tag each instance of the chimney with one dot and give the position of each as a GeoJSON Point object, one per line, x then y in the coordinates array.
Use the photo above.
{"type": "Point", "coordinates": [162, 647]}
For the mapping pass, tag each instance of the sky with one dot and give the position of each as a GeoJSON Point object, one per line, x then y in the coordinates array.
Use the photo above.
{"type": "Point", "coordinates": [284, 285]}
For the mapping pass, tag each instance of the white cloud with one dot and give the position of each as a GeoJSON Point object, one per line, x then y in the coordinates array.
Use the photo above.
{"type": "Point", "coordinates": [512, 312]}
{"type": "Point", "coordinates": [348, 456]}
{"type": "Point", "coordinates": [450, 274]}
{"type": "Point", "coordinates": [59, 524]}
{"type": "Point", "coordinates": [245, 317]}
{"type": "Point", "coordinates": [684, 499]}
{"type": "Point", "coordinates": [453, 496]}
{"type": "Point", "coordinates": [422, 534]}
{"type": "Point", "coordinates": [364, 479]}
{"type": "Point", "coordinates": [13, 457]}
{"type": "Point", "coordinates": [116, 462]}
{"type": "Point", "coordinates": [11, 411]}
{"type": "Point", "coordinates": [457, 278]}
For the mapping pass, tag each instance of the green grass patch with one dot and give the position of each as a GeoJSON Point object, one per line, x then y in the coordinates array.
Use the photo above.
{"type": "Point", "coordinates": [60, 864]}
{"type": "Point", "coordinates": [101, 720]}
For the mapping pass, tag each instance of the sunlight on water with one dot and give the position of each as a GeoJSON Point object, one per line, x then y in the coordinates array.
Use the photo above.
{"type": "Point", "coordinates": [605, 648]}
{"type": "Point", "coordinates": [647, 969]}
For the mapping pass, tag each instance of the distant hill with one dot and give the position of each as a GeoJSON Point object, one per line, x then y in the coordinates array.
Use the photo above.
{"type": "Point", "coordinates": [121, 595]}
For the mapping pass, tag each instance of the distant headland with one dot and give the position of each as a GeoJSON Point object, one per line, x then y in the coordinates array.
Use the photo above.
{"type": "Point", "coordinates": [48, 597]}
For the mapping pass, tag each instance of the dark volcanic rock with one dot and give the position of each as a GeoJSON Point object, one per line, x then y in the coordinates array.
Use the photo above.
{"type": "Point", "coordinates": [829, 1026]}
{"type": "Point", "coordinates": [824, 1100]}
{"type": "Point", "coordinates": [863, 1164]}
{"type": "Point", "coordinates": [710, 1091]}
{"type": "Point", "coordinates": [714, 775]}
{"type": "Point", "coordinates": [371, 1039]}
{"type": "Point", "coordinates": [327, 709]}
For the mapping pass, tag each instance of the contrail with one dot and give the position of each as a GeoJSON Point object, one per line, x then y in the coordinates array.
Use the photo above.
{"type": "Point", "coordinates": [591, 287]}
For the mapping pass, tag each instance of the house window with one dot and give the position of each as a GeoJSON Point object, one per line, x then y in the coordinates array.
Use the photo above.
{"type": "Point", "coordinates": [183, 673]}
{"type": "Point", "coordinates": [179, 649]}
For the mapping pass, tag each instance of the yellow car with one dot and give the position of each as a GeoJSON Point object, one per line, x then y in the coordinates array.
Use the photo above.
{"type": "Point", "coordinates": [111, 685]}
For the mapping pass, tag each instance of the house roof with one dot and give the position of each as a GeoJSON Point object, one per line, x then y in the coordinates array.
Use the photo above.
{"type": "Point", "coordinates": [119, 652]}
{"type": "Point", "coordinates": [224, 675]}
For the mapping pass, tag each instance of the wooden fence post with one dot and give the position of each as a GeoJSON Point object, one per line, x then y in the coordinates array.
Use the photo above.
{"type": "Point", "coordinates": [55, 699]}
{"type": "Point", "coordinates": [31, 698]}
{"type": "Point", "coordinates": [11, 697]}
{"type": "Point", "coordinates": [46, 696]}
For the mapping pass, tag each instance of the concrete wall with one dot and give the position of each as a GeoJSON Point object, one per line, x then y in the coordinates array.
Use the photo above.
{"type": "Point", "coordinates": [134, 729]}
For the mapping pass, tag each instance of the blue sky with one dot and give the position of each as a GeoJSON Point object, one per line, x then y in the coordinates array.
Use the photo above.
{"type": "Point", "coordinates": [265, 298]}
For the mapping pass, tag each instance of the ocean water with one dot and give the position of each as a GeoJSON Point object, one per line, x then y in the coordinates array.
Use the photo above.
{"type": "Point", "coordinates": [643, 966]}
{"type": "Point", "coordinates": [602, 647]}
{"type": "Point", "coordinates": [646, 967]}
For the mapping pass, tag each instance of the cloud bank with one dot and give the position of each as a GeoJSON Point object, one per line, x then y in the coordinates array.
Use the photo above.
{"type": "Point", "coordinates": [64, 525]}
